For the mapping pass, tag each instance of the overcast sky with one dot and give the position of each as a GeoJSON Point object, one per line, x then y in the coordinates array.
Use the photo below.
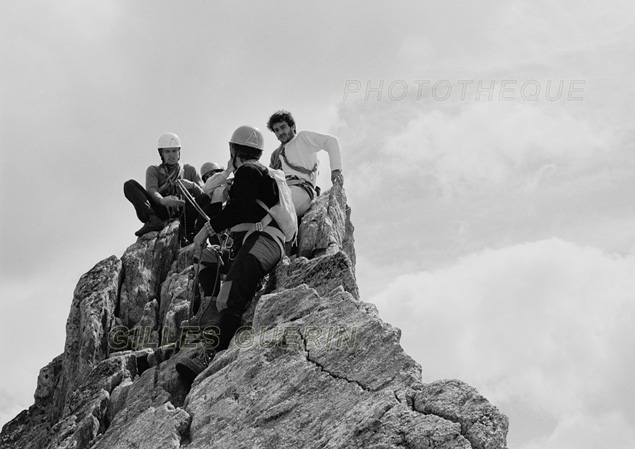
{"type": "Point", "coordinates": [488, 158]}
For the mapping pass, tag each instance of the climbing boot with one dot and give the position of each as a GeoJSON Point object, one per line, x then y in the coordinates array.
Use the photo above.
{"type": "Point", "coordinates": [206, 316]}
{"type": "Point", "coordinates": [154, 223]}
{"type": "Point", "coordinates": [195, 363]}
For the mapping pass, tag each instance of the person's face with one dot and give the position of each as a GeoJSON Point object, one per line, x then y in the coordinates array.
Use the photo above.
{"type": "Point", "coordinates": [283, 131]}
{"type": "Point", "coordinates": [171, 155]}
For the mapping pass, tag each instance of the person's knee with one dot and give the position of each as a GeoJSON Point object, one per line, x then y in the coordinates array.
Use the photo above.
{"type": "Point", "coordinates": [130, 185]}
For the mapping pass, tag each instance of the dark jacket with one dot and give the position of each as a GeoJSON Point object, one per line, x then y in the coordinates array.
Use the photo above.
{"type": "Point", "coordinates": [251, 182]}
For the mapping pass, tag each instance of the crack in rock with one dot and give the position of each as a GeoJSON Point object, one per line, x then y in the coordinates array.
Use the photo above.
{"type": "Point", "coordinates": [403, 398]}
{"type": "Point", "coordinates": [323, 369]}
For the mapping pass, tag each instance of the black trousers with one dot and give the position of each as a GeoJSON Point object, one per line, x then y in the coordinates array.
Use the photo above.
{"type": "Point", "coordinates": [145, 205]}
{"type": "Point", "coordinates": [257, 256]}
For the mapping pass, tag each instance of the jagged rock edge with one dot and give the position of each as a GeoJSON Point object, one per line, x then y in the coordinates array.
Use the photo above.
{"type": "Point", "coordinates": [360, 305]}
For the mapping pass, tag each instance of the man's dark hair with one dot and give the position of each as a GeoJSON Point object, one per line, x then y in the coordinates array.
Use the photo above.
{"type": "Point", "coordinates": [280, 116]}
{"type": "Point", "coordinates": [246, 153]}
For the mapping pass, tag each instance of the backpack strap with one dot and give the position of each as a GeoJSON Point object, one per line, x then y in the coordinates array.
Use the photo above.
{"type": "Point", "coordinates": [276, 230]}
{"type": "Point", "coordinates": [264, 206]}
{"type": "Point", "coordinates": [259, 226]}
{"type": "Point", "coordinates": [268, 225]}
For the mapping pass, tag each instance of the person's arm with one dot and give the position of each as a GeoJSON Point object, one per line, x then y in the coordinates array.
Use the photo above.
{"type": "Point", "coordinates": [192, 181]}
{"type": "Point", "coordinates": [152, 183]}
{"type": "Point", "coordinates": [331, 145]}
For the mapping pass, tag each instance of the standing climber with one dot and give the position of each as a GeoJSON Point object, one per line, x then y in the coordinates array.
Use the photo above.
{"type": "Point", "coordinates": [258, 241]}
{"type": "Point", "coordinates": [297, 157]}
{"type": "Point", "coordinates": [159, 200]}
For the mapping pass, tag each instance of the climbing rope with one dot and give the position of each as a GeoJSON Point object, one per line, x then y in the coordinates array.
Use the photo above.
{"type": "Point", "coordinates": [188, 196]}
{"type": "Point", "coordinates": [218, 250]}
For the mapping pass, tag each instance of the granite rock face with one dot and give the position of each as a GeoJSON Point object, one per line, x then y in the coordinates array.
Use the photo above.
{"type": "Point", "coordinates": [326, 227]}
{"type": "Point", "coordinates": [313, 366]}
{"type": "Point", "coordinates": [146, 264]}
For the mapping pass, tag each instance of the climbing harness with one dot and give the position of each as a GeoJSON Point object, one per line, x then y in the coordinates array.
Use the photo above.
{"type": "Point", "coordinates": [310, 189]}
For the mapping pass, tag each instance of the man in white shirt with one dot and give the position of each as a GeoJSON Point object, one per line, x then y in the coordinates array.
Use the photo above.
{"type": "Point", "coordinates": [297, 157]}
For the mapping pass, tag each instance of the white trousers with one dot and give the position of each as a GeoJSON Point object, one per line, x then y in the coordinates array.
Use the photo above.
{"type": "Point", "coordinates": [301, 200]}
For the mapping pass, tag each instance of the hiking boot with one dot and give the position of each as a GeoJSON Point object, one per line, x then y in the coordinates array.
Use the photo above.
{"type": "Point", "coordinates": [154, 223]}
{"type": "Point", "coordinates": [206, 316]}
{"type": "Point", "coordinates": [193, 365]}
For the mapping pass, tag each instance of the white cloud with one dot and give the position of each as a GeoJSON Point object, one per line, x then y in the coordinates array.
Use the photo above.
{"type": "Point", "coordinates": [584, 430]}
{"type": "Point", "coordinates": [545, 324]}
{"type": "Point", "coordinates": [483, 146]}
{"type": "Point", "coordinates": [417, 48]}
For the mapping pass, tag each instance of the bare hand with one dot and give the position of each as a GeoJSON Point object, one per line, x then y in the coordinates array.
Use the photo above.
{"type": "Point", "coordinates": [200, 240]}
{"type": "Point", "coordinates": [230, 166]}
{"type": "Point", "coordinates": [220, 195]}
{"type": "Point", "coordinates": [187, 184]}
{"type": "Point", "coordinates": [216, 180]}
{"type": "Point", "coordinates": [172, 201]}
{"type": "Point", "coordinates": [337, 177]}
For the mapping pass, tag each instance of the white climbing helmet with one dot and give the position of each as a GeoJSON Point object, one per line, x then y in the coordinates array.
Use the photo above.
{"type": "Point", "coordinates": [248, 136]}
{"type": "Point", "coordinates": [169, 140]}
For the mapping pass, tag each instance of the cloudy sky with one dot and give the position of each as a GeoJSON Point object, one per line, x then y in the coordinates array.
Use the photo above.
{"type": "Point", "coordinates": [488, 153]}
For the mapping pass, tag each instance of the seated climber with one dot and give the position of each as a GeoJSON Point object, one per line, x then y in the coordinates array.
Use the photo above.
{"type": "Point", "coordinates": [159, 200]}
{"type": "Point", "coordinates": [208, 169]}
{"type": "Point", "coordinates": [297, 157]}
{"type": "Point", "coordinates": [258, 244]}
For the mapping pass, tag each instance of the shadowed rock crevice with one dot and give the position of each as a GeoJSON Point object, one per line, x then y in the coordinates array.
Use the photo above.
{"type": "Point", "coordinates": [325, 370]}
